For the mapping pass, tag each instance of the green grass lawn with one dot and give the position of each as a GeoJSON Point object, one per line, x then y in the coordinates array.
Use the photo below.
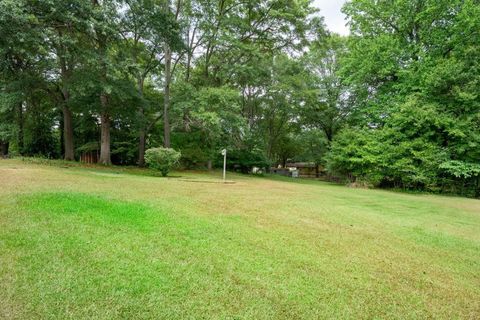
{"type": "Point", "coordinates": [96, 243]}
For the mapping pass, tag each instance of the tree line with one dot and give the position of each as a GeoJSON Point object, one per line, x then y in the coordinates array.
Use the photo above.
{"type": "Point", "coordinates": [394, 104]}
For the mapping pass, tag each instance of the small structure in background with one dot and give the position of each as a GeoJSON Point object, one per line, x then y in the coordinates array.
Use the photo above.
{"type": "Point", "coordinates": [294, 173]}
{"type": "Point", "coordinates": [89, 152]}
{"type": "Point", "coordinates": [89, 157]}
{"type": "Point", "coordinates": [299, 170]}
{"type": "Point", "coordinates": [305, 169]}
{"type": "Point", "coordinates": [287, 172]}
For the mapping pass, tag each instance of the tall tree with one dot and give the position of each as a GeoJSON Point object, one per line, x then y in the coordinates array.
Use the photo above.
{"type": "Point", "coordinates": [168, 78]}
{"type": "Point", "coordinates": [328, 105]}
{"type": "Point", "coordinates": [145, 28]}
{"type": "Point", "coordinates": [22, 64]}
{"type": "Point", "coordinates": [65, 24]}
{"type": "Point", "coordinates": [105, 32]}
{"type": "Point", "coordinates": [413, 68]}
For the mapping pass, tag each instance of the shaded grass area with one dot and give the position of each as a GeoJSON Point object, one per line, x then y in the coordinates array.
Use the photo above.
{"type": "Point", "coordinates": [83, 243]}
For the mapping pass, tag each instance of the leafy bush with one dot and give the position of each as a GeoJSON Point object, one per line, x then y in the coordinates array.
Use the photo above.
{"type": "Point", "coordinates": [195, 152]}
{"type": "Point", "coordinates": [39, 159]}
{"type": "Point", "coordinates": [385, 157]}
{"type": "Point", "coordinates": [466, 177]}
{"type": "Point", "coordinates": [162, 159]}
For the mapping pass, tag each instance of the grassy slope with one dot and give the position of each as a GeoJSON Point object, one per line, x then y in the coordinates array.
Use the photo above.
{"type": "Point", "coordinates": [88, 243]}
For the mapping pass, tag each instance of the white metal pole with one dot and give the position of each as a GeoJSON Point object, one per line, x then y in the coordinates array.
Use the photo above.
{"type": "Point", "coordinates": [224, 164]}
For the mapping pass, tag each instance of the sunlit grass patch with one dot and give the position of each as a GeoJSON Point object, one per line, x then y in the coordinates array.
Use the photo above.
{"type": "Point", "coordinates": [91, 209]}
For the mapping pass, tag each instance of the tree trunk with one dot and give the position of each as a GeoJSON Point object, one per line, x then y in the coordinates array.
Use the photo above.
{"type": "Point", "coordinates": [477, 188]}
{"type": "Point", "coordinates": [104, 132]}
{"type": "Point", "coordinates": [20, 140]}
{"type": "Point", "coordinates": [4, 148]}
{"type": "Point", "coordinates": [68, 134]}
{"type": "Point", "coordinates": [61, 130]}
{"type": "Point", "coordinates": [329, 135]}
{"type": "Point", "coordinates": [104, 116]}
{"type": "Point", "coordinates": [189, 62]}
{"type": "Point", "coordinates": [166, 106]}
{"type": "Point", "coordinates": [142, 132]}
{"type": "Point", "coordinates": [141, 148]}
{"type": "Point", "coordinates": [209, 165]}
{"type": "Point", "coordinates": [69, 154]}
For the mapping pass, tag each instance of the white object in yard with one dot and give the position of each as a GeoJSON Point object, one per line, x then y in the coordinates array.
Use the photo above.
{"type": "Point", "coordinates": [224, 154]}
{"type": "Point", "coordinates": [256, 170]}
{"type": "Point", "coordinates": [294, 173]}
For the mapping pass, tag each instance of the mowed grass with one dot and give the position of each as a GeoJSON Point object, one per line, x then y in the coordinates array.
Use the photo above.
{"type": "Point", "coordinates": [87, 243]}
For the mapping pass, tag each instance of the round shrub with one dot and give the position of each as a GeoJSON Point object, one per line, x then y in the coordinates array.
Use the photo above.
{"type": "Point", "coordinates": [162, 159]}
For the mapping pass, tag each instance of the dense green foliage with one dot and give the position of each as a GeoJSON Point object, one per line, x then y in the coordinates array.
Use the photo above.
{"type": "Point", "coordinates": [162, 159]}
{"type": "Point", "coordinates": [414, 70]}
{"type": "Point", "coordinates": [395, 104]}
